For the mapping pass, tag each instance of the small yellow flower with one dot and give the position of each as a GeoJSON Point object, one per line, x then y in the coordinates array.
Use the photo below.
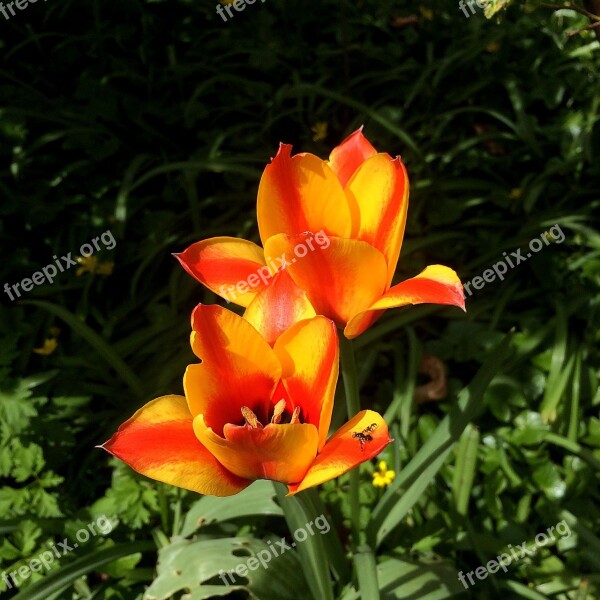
{"type": "Point", "coordinates": [515, 193]}
{"type": "Point", "coordinates": [383, 477]}
{"type": "Point", "coordinates": [48, 348]}
{"type": "Point", "coordinates": [89, 264]}
{"type": "Point", "coordinates": [492, 47]}
{"type": "Point", "coordinates": [320, 131]}
{"type": "Point", "coordinates": [426, 12]}
{"type": "Point", "coordinates": [105, 268]}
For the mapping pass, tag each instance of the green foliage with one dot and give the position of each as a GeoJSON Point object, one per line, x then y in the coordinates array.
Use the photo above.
{"type": "Point", "coordinates": [178, 570]}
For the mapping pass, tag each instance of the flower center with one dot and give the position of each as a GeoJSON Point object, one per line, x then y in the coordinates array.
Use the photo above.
{"type": "Point", "coordinates": [279, 414]}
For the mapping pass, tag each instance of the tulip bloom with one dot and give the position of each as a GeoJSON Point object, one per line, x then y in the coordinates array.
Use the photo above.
{"type": "Point", "coordinates": [359, 200]}
{"type": "Point", "coordinates": [250, 411]}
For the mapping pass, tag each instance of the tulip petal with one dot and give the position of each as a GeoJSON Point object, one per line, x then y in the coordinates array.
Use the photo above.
{"type": "Point", "coordinates": [380, 189]}
{"type": "Point", "coordinates": [349, 155]}
{"type": "Point", "coordinates": [278, 307]}
{"type": "Point", "coordinates": [436, 284]}
{"type": "Point", "coordinates": [278, 452]}
{"type": "Point", "coordinates": [309, 357]}
{"type": "Point", "coordinates": [340, 279]}
{"type": "Point", "coordinates": [238, 368]}
{"type": "Point", "coordinates": [221, 263]}
{"type": "Point", "coordinates": [344, 451]}
{"type": "Point", "coordinates": [158, 441]}
{"type": "Point", "coordinates": [301, 193]}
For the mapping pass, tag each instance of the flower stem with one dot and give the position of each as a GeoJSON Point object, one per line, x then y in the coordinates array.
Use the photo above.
{"type": "Point", "coordinates": [364, 559]}
{"type": "Point", "coordinates": [300, 510]}
{"type": "Point", "coordinates": [350, 378]}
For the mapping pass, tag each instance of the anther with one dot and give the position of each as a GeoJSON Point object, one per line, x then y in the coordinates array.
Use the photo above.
{"type": "Point", "coordinates": [250, 418]}
{"type": "Point", "coordinates": [295, 416]}
{"type": "Point", "coordinates": [278, 411]}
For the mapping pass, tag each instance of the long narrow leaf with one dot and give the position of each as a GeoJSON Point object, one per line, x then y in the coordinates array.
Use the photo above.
{"type": "Point", "coordinates": [405, 491]}
{"type": "Point", "coordinates": [94, 340]}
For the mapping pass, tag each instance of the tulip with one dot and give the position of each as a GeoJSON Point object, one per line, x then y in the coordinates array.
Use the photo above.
{"type": "Point", "coordinates": [251, 411]}
{"type": "Point", "coordinates": [358, 201]}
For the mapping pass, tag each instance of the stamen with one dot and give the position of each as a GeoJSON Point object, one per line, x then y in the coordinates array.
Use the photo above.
{"type": "Point", "coordinates": [295, 416]}
{"type": "Point", "coordinates": [250, 418]}
{"type": "Point", "coordinates": [278, 411]}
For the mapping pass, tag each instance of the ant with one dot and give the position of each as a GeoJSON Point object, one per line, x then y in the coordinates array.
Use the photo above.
{"type": "Point", "coordinates": [365, 436]}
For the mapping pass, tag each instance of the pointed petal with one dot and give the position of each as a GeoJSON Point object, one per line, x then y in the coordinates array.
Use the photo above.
{"type": "Point", "coordinates": [221, 263]}
{"type": "Point", "coordinates": [277, 452]}
{"type": "Point", "coordinates": [340, 279]}
{"type": "Point", "coordinates": [301, 193]}
{"type": "Point", "coordinates": [349, 155]}
{"type": "Point", "coordinates": [309, 356]}
{"type": "Point", "coordinates": [343, 452]}
{"type": "Point", "coordinates": [238, 368]}
{"type": "Point", "coordinates": [158, 441]}
{"type": "Point", "coordinates": [278, 307]}
{"type": "Point", "coordinates": [434, 285]}
{"type": "Point", "coordinates": [380, 189]}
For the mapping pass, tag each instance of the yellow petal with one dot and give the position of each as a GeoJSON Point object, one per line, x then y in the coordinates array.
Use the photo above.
{"type": "Point", "coordinates": [278, 307]}
{"type": "Point", "coordinates": [301, 193]}
{"type": "Point", "coordinates": [277, 452]}
{"type": "Point", "coordinates": [346, 450]}
{"type": "Point", "coordinates": [309, 356]}
{"type": "Point", "coordinates": [232, 268]}
{"type": "Point", "coordinates": [238, 368]}
{"type": "Point", "coordinates": [350, 155]}
{"type": "Point", "coordinates": [50, 345]}
{"type": "Point", "coordinates": [158, 441]}
{"type": "Point", "coordinates": [434, 285]}
{"type": "Point", "coordinates": [340, 279]}
{"type": "Point", "coordinates": [380, 188]}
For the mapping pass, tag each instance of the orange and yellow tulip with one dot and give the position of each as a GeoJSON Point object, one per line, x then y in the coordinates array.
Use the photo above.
{"type": "Point", "coordinates": [358, 199]}
{"type": "Point", "coordinates": [251, 411]}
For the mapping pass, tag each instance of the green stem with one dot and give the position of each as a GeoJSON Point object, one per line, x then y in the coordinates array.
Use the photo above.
{"type": "Point", "coordinates": [364, 559]}
{"type": "Point", "coordinates": [299, 511]}
{"type": "Point", "coordinates": [350, 379]}
{"type": "Point", "coordinates": [366, 572]}
{"type": "Point", "coordinates": [164, 508]}
{"type": "Point", "coordinates": [350, 376]}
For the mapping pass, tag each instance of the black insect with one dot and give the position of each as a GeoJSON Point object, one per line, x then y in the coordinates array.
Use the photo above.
{"type": "Point", "coordinates": [365, 436]}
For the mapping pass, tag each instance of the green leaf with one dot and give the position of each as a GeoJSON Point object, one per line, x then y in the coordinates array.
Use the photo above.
{"type": "Point", "coordinates": [206, 568]}
{"type": "Point", "coordinates": [95, 341]}
{"type": "Point", "coordinates": [298, 512]}
{"type": "Point", "coordinates": [257, 499]}
{"type": "Point", "coordinates": [64, 577]}
{"type": "Point", "coordinates": [366, 572]}
{"type": "Point", "coordinates": [411, 482]}
{"type": "Point", "coordinates": [464, 470]}
{"type": "Point", "coordinates": [405, 580]}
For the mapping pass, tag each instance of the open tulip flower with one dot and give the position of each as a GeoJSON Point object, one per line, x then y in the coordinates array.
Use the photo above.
{"type": "Point", "coordinates": [251, 411]}
{"type": "Point", "coordinates": [358, 200]}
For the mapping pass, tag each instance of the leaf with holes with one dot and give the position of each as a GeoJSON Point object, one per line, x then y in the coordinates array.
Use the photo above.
{"type": "Point", "coordinates": [202, 567]}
